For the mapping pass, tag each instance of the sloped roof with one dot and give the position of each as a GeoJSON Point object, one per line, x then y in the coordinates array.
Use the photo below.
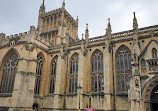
{"type": "Point", "coordinates": [144, 50]}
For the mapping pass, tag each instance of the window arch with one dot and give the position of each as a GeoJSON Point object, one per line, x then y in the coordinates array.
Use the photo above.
{"type": "Point", "coordinates": [73, 73]}
{"type": "Point", "coordinates": [143, 66]}
{"type": "Point", "coordinates": [53, 75]}
{"type": "Point", "coordinates": [123, 68]}
{"type": "Point", "coordinates": [154, 53]}
{"type": "Point", "coordinates": [9, 72]}
{"type": "Point", "coordinates": [97, 78]}
{"type": "Point", "coordinates": [143, 63]}
{"type": "Point", "coordinates": [38, 72]}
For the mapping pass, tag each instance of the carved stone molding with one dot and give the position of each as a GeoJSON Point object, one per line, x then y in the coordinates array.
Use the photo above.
{"type": "Point", "coordinates": [148, 87]}
{"type": "Point", "coordinates": [30, 46]}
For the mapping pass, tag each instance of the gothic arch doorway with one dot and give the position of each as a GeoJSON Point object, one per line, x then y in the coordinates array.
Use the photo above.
{"type": "Point", "coordinates": [154, 99]}
{"type": "Point", "coordinates": [150, 95]}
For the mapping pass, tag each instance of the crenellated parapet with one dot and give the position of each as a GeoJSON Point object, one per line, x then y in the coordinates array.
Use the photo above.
{"type": "Point", "coordinates": [12, 39]}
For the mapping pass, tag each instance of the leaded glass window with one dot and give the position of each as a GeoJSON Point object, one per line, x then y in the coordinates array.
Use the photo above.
{"type": "Point", "coordinates": [154, 53]}
{"type": "Point", "coordinates": [97, 78]}
{"type": "Point", "coordinates": [9, 72]}
{"type": "Point", "coordinates": [73, 73]}
{"type": "Point", "coordinates": [53, 75]}
{"type": "Point", "coordinates": [123, 68]}
{"type": "Point", "coordinates": [38, 73]}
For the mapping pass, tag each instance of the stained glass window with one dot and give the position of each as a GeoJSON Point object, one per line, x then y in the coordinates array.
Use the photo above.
{"type": "Point", "coordinates": [73, 73]}
{"type": "Point", "coordinates": [123, 68]}
{"type": "Point", "coordinates": [53, 75]}
{"type": "Point", "coordinates": [154, 53]}
{"type": "Point", "coordinates": [9, 72]}
{"type": "Point", "coordinates": [97, 78]}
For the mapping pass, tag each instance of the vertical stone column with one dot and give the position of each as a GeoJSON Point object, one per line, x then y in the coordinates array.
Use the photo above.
{"type": "Point", "coordinates": [82, 78]}
{"type": "Point", "coordinates": [23, 92]}
{"type": "Point", "coordinates": [107, 78]}
{"type": "Point", "coordinates": [60, 82]}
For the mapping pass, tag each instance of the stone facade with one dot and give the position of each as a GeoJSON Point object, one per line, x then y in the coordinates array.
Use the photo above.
{"type": "Point", "coordinates": [122, 78]}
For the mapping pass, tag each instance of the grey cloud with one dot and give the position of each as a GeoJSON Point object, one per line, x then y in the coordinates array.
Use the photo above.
{"type": "Point", "coordinates": [17, 15]}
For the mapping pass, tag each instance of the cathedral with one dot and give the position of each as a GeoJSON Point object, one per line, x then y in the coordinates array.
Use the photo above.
{"type": "Point", "coordinates": [49, 68]}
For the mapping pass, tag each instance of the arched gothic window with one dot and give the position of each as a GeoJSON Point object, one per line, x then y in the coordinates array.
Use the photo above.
{"type": "Point", "coordinates": [9, 72]}
{"type": "Point", "coordinates": [38, 73]}
{"type": "Point", "coordinates": [123, 70]}
{"type": "Point", "coordinates": [143, 66]}
{"type": "Point", "coordinates": [154, 53]}
{"type": "Point", "coordinates": [73, 73]}
{"type": "Point", "coordinates": [97, 78]}
{"type": "Point", "coordinates": [53, 75]}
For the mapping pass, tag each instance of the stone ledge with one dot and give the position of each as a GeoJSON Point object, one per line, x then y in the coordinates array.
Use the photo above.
{"type": "Point", "coordinates": [97, 94]}
{"type": "Point", "coordinates": [38, 96]}
{"type": "Point", "coordinates": [5, 94]}
{"type": "Point", "coordinates": [121, 94]}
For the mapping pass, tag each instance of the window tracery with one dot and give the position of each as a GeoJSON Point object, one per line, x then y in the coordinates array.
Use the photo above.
{"type": "Point", "coordinates": [38, 73]}
{"type": "Point", "coordinates": [53, 75]}
{"type": "Point", "coordinates": [73, 73]}
{"type": "Point", "coordinates": [123, 68]}
{"type": "Point", "coordinates": [154, 53]}
{"type": "Point", "coordinates": [97, 78]}
{"type": "Point", "coordinates": [9, 72]}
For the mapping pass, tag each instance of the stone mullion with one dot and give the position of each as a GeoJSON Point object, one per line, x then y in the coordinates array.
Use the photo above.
{"type": "Point", "coordinates": [15, 69]}
{"type": "Point", "coordinates": [2, 81]}
{"type": "Point", "coordinates": [6, 81]}
{"type": "Point", "coordinates": [97, 73]}
{"type": "Point", "coordinates": [51, 85]}
{"type": "Point", "coordinates": [5, 78]}
{"type": "Point", "coordinates": [124, 74]}
{"type": "Point", "coordinates": [11, 81]}
{"type": "Point", "coordinates": [74, 83]}
{"type": "Point", "coordinates": [54, 83]}
{"type": "Point", "coordinates": [3, 84]}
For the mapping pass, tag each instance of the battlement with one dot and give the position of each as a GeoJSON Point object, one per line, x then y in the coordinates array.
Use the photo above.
{"type": "Point", "coordinates": [13, 36]}
{"type": "Point", "coordinates": [49, 13]}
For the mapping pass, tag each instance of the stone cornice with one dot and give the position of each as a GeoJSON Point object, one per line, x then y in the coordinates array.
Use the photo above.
{"type": "Point", "coordinates": [29, 60]}
{"type": "Point", "coordinates": [5, 95]}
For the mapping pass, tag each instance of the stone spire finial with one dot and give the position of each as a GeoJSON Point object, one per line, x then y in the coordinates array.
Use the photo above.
{"type": "Point", "coordinates": [42, 8]}
{"type": "Point", "coordinates": [77, 20]}
{"type": "Point", "coordinates": [108, 29]}
{"type": "Point", "coordinates": [86, 32]}
{"type": "Point", "coordinates": [43, 2]}
{"type": "Point", "coordinates": [135, 23]}
{"type": "Point", "coordinates": [82, 36]}
{"type": "Point", "coordinates": [63, 5]}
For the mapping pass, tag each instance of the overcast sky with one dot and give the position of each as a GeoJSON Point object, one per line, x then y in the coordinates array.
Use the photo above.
{"type": "Point", "coordinates": [17, 16]}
